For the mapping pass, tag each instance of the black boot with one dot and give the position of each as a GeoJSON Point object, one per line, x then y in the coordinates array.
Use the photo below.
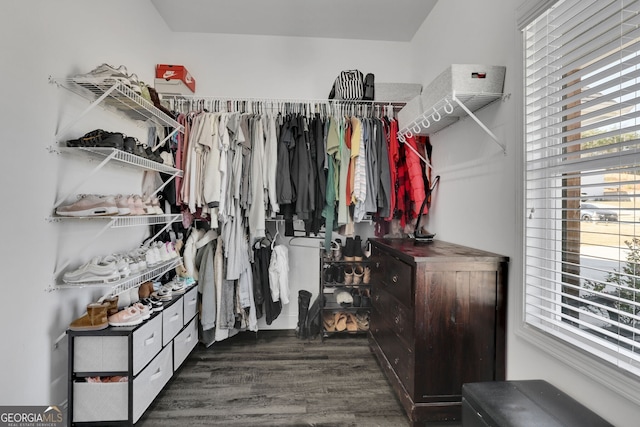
{"type": "Point", "coordinates": [358, 255]}
{"type": "Point", "coordinates": [349, 249]}
{"type": "Point", "coordinates": [304, 298]}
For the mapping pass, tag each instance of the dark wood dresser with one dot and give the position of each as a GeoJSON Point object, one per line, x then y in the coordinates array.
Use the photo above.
{"type": "Point", "coordinates": [437, 321]}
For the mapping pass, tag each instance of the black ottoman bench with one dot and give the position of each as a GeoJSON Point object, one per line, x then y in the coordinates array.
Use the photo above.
{"type": "Point", "coordinates": [524, 403]}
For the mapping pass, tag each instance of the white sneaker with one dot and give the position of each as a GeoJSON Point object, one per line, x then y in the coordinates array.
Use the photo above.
{"type": "Point", "coordinates": [95, 271]}
{"type": "Point", "coordinates": [121, 263]}
{"type": "Point", "coordinates": [152, 257]}
{"type": "Point", "coordinates": [164, 252]}
{"type": "Point", "coordinates": [90, 205]}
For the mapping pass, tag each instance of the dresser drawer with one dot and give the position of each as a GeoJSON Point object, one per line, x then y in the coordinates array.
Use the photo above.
{"type": "Point", "coordinates": [400, 356]}
{"type": "Point", "coordinates": [398, 316]}
{"type": "Point", "coordinates": [395, 276]}
{"type": "Point", "coordinates": [147, 342]}
{"type": "Point", "coordinates": [151, 380]}
{"type": "Point", "coordinates": [100, 401]}
{"type": "Point", "coordinates": [101, 354]}
{"type": "Point", "coordinates": [172, 321]}
{"type": "Point", "coordinates": [184, 343]}
{"type": "Point", "coordinates": [190, 303]}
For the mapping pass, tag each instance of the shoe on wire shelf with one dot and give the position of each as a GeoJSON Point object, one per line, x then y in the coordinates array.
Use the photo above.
{"type": "Point", "coordinates": [90, 205]}
{"type": "Point", "coordinates": [95, 271]}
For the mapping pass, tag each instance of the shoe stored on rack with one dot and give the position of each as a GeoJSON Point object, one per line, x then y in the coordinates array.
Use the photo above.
{"type": "Point", "coordinates": [349, 249]}
{"type": "Point", "coordinates": [95, 271]}
{"type": "Point", "coordinates": [90, 205]}
{"type": "Point", "coordinates": [145, 311]}
{"type": "Point", "coordinates": [154, 303]}
{"type": "Point", "coordinates": [145, 290]}
{"type": "Point", "coordinates": [348, 275]}
{"type": "Point", "coordinates": [357, 249]}
{"type": "Point", "coordinates": [328, 273]}
{"type": "Point", "coordinates": [153, 155]}
{"type": "Point", "coordinates": [129, 145]}
{"type": "Point", "coordinates": [110, 140]}
{"type": "Point", "coordinates": [175, 287]}
{"type": "Point", "coordinates": [112, 303]}
{"type": "Point", "coordinates": [336, 249]}
{"type": "Point", "coordinates": [130, 316]}
{"type": "Point", "coordinates": [121, 262]}
{"type": "Point", "coordinates": [93, 320]}
{"type": "Point", "coordinates": [162, 294]}
{"type": "Point", "coordinates": [122, 203]}
{"type": "Point", "coordinates": [99, 138]}
{"type": "Point", "coordinates": [107, 74]}
{"type": "Point", "coordinates": [87, 140]}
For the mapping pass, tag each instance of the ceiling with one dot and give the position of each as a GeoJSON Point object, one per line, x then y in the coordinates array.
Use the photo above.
{"type": "Point", "coordinates": [396, 20]}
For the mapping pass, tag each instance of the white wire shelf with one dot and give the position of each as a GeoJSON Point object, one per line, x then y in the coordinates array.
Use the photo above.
{"type": "Point", "coordinates": [123, 285]}
{"type": "Point", "coordinates": [119, 97]}
{"type": "Point", "coordinates": [448, 111]}
{"type": "Point", "coordinates": [119, 156]}
{"type": "Point", "coordinates": [124, 220]}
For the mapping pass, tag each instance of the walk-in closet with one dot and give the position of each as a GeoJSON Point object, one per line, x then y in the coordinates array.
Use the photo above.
{"type": "Point", "coordinates": [286, 213]}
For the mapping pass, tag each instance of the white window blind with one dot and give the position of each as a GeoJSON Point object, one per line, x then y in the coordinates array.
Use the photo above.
{"type": "Point", "coordinates": [582, 126]}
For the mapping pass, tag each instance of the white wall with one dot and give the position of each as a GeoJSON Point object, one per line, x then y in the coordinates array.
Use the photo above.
{"type": "Point", "coordinates": [40, 38]}
{"type": "Point", "coordinates": [479, 199]}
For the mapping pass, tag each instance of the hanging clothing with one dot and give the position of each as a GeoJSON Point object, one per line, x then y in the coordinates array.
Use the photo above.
{"type": "Point", "coordinates": [257, 214]}
{"type": "Point", "coordinates": [279, 274]}
{"type": "Point", "coordinates": [394, 157]}
{"type": "Point", "coordinates": [373, 180]}
{"type": "Point", "coordinates": [262, 257]}
{"type": "Point", "coordinates": [416, 178]}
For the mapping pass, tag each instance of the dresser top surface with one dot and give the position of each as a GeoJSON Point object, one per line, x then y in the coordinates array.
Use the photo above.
{"type": "Point", "coordinates": [435, 251]}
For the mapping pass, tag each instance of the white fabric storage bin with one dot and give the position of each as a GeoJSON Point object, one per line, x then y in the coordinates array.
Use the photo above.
{"type": "Point", "coordinates": [396, 91]}
{"type": "Point", "coordinates": [147, 342]}
{"type": "Point", "coordinates": [464, 79]}
{"type": "Point", "coordinates": [190, 301]}
{"type": "Point", "coordinates": [100, 401]}
{"type": "Point", "coordinates": [101, 354]}
{"type": "Point", "coordinates": [171, 321]}
{"type": "Point", "coordinates": [184, 343]}
{"type": "Point", "coordinates": [151, 380]}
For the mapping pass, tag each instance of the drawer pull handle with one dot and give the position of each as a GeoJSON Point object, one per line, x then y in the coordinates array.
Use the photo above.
{"type": "Point", "coordinates": [150, 340]}
{"type": "Point", "coordinates": [397, 320]}
{"type": "Point", "coordinates": [394, 279]}
{"type": "Point", "coordinates": [192, 302]}
{"type": "Point", "coordinates": [395, 361]}
{"type": "Point", "coordinates": [188, 339]}
{"type": "Point", "coordinates": [174, 317]}
{"type": "Point", "coordinates": [156, 375]}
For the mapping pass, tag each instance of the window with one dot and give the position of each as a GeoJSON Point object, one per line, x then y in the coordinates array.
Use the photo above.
{"type": "Point", "coordinates": [582, 182]}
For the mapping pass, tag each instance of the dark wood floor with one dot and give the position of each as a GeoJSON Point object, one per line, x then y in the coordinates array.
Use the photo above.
{"type": "Point", "coordinates": [274, 379]}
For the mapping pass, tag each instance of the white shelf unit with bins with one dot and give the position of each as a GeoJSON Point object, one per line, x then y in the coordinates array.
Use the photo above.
{"type": "Point", "coordinates": [122, 100]}
{"type": "Point", "coordinates": [147, 354]}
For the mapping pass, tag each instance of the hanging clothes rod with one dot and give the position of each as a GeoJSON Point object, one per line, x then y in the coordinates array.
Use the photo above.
{"type": "Point", "coordinates": [196, 98]}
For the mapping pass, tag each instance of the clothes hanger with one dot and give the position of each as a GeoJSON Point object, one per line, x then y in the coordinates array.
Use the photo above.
{"type": "Point", "coordinates": [273, 242]}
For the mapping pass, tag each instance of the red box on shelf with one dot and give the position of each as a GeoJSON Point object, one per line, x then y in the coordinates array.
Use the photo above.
{"type": "Point", "coordinates": [175, 76]}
